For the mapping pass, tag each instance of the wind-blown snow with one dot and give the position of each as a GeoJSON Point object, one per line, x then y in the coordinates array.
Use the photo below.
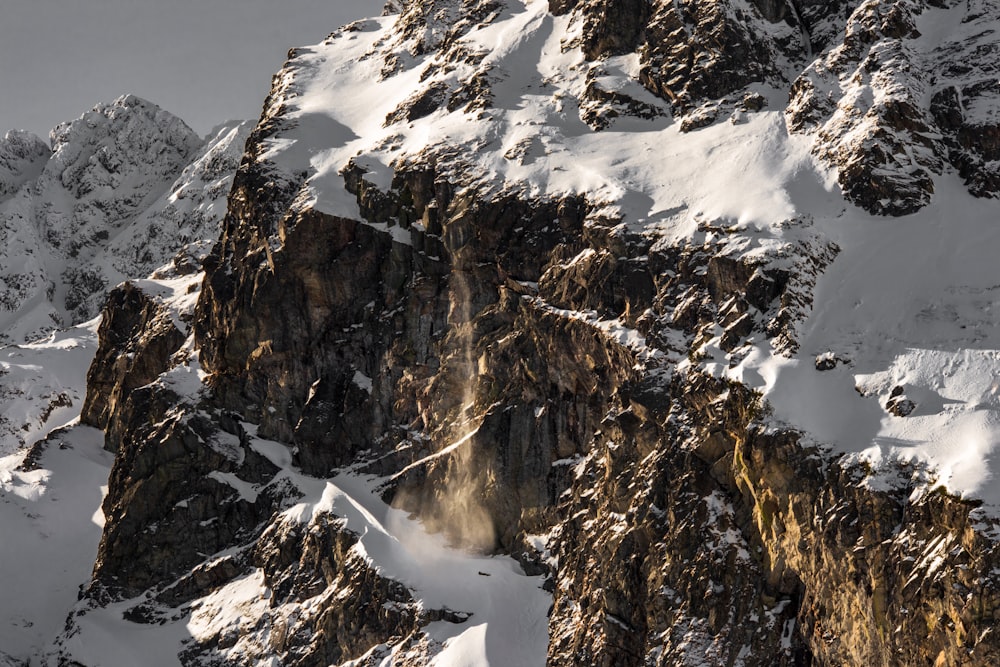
{"type": "Point", "coordinates": [508, 623]}
{"type": "Point", "coordinates": [908, 306]}
{"type": "Point", "coordinates": [507, 610]}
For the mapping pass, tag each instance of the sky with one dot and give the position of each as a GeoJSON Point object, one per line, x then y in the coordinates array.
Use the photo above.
{"type": "Point", "coordinates": [206, 61]}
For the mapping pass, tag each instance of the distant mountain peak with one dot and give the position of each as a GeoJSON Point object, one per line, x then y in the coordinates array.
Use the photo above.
{"type": "Point", "coordinates": [108, 183]}
{"type": "Point", "coordinates": [22, 157]}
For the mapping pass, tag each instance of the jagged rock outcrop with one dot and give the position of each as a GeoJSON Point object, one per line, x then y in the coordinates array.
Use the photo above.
{"type": "Point", "coordinates": [917, 576]}
{"type": "Point", "coordinates": [698, 52]}
{"type": "Point", "coordinates": [138, 337]}
{"type": "Point", "coordinates": [700, 57]}
{"type": "Point", "coordinates": [847, 575]}
{"type": "Point", "coordinates": [329, 605]}
{"type": "Point", "coordinates": [189, 483]}
{"type": "Point", "coordinates": [670, 575]}
{"type": "Point", "coordinates": [171, 476]}
{"type": "Point", "coordinates": [557, 358]}
{"type": "Point", "coordinates": [891, 106]}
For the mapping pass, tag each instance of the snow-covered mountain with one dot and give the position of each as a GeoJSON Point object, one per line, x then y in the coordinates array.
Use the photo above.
{"type": "Point", "coordinates": [574, 332]}
{"type": "Point", "coordinates": [160, 209]}
{"type": "Point", "coordinates": [124, 187]}
{"type": "Point", "coordinates": [22, 158]}
{"type": "Point", "coordinates": [44, 378]}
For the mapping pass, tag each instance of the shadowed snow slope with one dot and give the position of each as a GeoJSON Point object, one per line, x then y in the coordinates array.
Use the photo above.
{"type": "Point", "coordinates": [42, 385]}
{"type": "Point", "coordinates": [50, 517]}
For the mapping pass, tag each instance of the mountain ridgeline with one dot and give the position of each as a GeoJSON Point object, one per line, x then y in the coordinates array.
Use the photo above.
{"type": "Point", "coordinates": [538, 274]}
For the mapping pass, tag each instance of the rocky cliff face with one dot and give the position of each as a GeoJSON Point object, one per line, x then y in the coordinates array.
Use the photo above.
{"type": "Point", "coordinates": [534, 307]}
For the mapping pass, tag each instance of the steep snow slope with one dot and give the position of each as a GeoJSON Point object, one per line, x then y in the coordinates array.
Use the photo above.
{"type": "Point", "coordinates": [53, 476]}
{"type": "Point", "coordinates": [188, 212]}
{"type": "Point", "coordinates": [906, 314]}
{"type": "Point", "coordinates": [51, 521]}
{"type": "Point", "coordinates": [493, 599]}
{"type": "Point", "coordinates": [22, 158]}
{"type": "Point", "coordinates": [42, 385]}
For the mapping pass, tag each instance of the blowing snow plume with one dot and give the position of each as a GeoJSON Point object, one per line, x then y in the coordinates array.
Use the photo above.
{"type": "Point", "coordinates": [458, 478]}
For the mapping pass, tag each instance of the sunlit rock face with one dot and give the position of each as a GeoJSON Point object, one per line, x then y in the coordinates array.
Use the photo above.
{"type": "Point", "coordinates": [907, 94]}
{"type": "Point", "coordinates": [570, 333]}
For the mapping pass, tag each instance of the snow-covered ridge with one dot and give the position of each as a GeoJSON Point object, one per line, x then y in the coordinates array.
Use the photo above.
{"type": "Point", "coordinates": [106, 167]}
{"type": "Point", "coordinates": [532, 140]}
{"type": "Point", "coordinates": [883, 360]}
{"type": "Point", "coordinates": [133, 146]}
{"type": "Point", "coordinates": [43, 384]}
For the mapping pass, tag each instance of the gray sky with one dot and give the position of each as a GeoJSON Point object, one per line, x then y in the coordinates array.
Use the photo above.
{"type": "Point", "coordinates": [206, 61]}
